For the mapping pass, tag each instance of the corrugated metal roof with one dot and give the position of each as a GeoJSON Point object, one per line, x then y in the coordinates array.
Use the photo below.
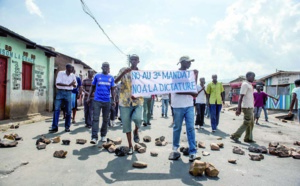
{"type": "Point", "coordinates": [279, 72]}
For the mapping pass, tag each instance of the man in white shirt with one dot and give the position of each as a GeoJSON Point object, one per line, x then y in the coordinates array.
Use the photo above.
{"type": "Point", "coordinates": [65, 82]}
{"type": "Point", "coordinates": [183, 108]}
{"type": "Point", "coordinates": [246, 103]}
{"type": "Point", "coordinates": [200, 104]}
{"type": "Point", "coordinates": [164, 105]}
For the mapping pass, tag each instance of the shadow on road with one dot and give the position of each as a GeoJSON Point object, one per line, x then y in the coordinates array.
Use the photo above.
{"type": "Point", "coordinates": [86, 152]}
{"type": "Point", "coordinates": [123, 173]}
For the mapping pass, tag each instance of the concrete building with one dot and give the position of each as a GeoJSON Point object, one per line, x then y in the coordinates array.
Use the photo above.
{"type": "Point", "coordinates": [280, 84]}
{"type": "Point", "coordinates": [26, 77]}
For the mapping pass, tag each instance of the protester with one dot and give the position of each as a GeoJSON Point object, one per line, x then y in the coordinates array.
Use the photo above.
{"type": "Point", "coordinates": [147, 110]}
{"type": "Point", "coordinates": [65, 82]}
{"type": "Point", "coordinates": [230, 94]}
{"type": "Point", "coordinates": [246, 104]}
{"type": "Point", "coordinates": [265, 106]}
{"type": "Point", "coordinates": [103, 85]}
{"type": "Point", "coordinates": [112, 111]}
{"type": "Point", "coordinates": [152, 104]}
{"type": "Point", "coordinates": [216, 97]}
{"type": "Point", "coordinates": [130, 107]}
{"type": "Point", "coordinates": [295, 96]}
{"type": "Point", "coordinates": [117, 94]}
{"type": "Point", "coordinates": [200, 104]}
{"type": "Point", "coordinates": [259, 98]}
{"type": "Point", "coordinates": [164, 105]}
{"type": "Point", "coordinates": [76, 92]}
{"type": "Point", "coordinates": [88, 108]}
{"type": "Point", "coordinates": [183, 108]}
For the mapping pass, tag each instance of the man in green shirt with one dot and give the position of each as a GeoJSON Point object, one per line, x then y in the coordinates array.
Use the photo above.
{"type": "Point", "coordinates": [216, 96]}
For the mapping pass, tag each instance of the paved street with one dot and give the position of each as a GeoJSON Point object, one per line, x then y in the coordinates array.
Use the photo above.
{"type": "Point", "coordinates": [89, 165]}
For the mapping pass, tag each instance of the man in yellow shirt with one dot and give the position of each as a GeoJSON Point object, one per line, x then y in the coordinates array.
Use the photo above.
{"type": "Point", "coordinates": [216, 96]}
{"type": "Point", "coordinates": [130, 107]}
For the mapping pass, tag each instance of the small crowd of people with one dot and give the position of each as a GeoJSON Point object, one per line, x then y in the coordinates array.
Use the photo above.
{"type": "Point", "coordinates": [109, 94]}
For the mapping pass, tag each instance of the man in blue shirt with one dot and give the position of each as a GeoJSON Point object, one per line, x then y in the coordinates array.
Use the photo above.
{"type": "Point", "coordinates": [76, 92]}
{"type": "Point", "coordinates": [103, 84]}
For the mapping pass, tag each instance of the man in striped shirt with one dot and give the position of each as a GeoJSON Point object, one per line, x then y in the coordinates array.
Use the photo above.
{"type": "Point", "coordinates": [88, 109]}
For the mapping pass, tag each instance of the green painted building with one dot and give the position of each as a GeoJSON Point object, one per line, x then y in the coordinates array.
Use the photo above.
{"type": "Point", "coordinates": [26, 76]}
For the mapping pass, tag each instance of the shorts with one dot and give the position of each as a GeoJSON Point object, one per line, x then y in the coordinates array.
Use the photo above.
{"type": "Point", "coordinates": [257, 112]}
{"type": "Point", "coordinates": [73, 100]}
{"type": "Point", "coordinates": [129, 114]}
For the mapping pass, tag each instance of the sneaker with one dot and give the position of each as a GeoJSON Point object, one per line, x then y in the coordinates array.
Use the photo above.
{"type": "Point", "coordinates": [130, 152]}
{"type": "Point", "coordinates": [162, 115]}
{"type": "Point", "coordinates": [175, 149]}
{"type": "Point", "coordinates": [145, 124]}
{"type": "Point", "coordinates": [112, 123]}
{"type": "Point", "coordinates": [93, 141]}
{"type": "Point", "coordinates": [213, 131]}
{"type": "Point", "coordinates": [197, 127]}
{"type": "Point", "coordinates": [103, 139]}
{"type": "Point", "coordinates": [53, 130]}
{"type": "Point", "coordinates": [148, 123]}
{"type": "Point", "coordinates": [267, 120]}
{"type": "Point", "coordinates": [194, 157]}
{"type": "Point", "coordinates": [201, 128]}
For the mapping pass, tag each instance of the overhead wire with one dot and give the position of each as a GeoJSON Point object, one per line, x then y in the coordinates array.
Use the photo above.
{"type": "Point", "coordinates": [89, 12]}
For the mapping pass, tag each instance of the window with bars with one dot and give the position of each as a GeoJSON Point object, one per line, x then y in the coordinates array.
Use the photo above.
{"type": "Point", "coordinates": [26, 76]}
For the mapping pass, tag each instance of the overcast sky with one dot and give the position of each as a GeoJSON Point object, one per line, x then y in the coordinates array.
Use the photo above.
{"type": "Point", "coordinates": [225, 37]}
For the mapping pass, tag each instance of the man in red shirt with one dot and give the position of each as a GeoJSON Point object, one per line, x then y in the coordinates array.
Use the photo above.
{"type": "Point", "coordinates": [259, 98]}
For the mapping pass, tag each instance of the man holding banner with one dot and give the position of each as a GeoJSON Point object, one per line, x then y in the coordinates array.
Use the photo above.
{"type": "Point", "coordinates": [182, 86]}
{"type": "Point", "coordinates": [131, 107]}
{"type": "Point", "coordinates": [183, 106]}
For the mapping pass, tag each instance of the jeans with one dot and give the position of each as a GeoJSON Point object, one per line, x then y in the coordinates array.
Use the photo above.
{"type": "Point", "coordinates": [147, 110]}
{"type": "Point", "coordinates": [247, 125]}
{"type": "Point", "coordinates": [152, 105]}
{"type": "Point", "coordinates": [265, 112]}
{"type": "Point", "coordinates": [62, 96]}
{"type": "Point", "coordinates": [129, 114]}
{"type": "Point", "coordinates": [215, 115]}
{"type": "Point", "coordinates": [186, 113]}
{"type": "Point", "coordinates": [97, 106]}
{"type": "Point", "coordinates": [164, 106]}
{"type": "Point", "coordinates": [117, 109]}
{"type": "Point", "coordinates": [88, 112]}
{"type": "Point", "coordinates": [207, 113]}
{"type": "Point", "coordinates": [200, 114]}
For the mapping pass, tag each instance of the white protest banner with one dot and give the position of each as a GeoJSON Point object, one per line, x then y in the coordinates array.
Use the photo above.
{"type": "Point", "coordinates": [162, 81]}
